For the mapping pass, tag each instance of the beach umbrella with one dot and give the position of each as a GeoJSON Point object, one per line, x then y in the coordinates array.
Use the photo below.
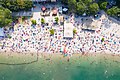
{"type": "Point", "coordinates": [61, 49]}
{"type": "Point", "coordinates": [65, 51]}
{"type": "Point", "coordinates": [55, 11]}
{"type": "Point", "coordinates": [43, 8]}
{"type": "Point", "coordinates": [84, 14]}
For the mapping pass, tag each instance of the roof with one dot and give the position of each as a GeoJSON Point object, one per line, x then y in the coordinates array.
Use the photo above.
{"type": "Point", "coordinates": [22, 14]}
{"type": "Point", "coordinates": [43, 8]}
{"type": "Point", "coordinates": [68, 30]}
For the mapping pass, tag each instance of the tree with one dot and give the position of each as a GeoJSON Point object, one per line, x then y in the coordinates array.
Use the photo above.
{"type": "Point", "coordinates": [64, 1]}
{"type": "Point", "coordinates": [34, 22]}
{"type": "Point", "coordinates": [102, 39]}
{"type": "Point", "coordinates": [103, 6]}
{"type": "Point", "coordinates": [87, 2]}
{"type": "Point", "coordinates": [56, 19]}
{"type": "Point", "coordinates": [42, 21]}
{"type": "Point", "coordinates": [72, 5]}
{"type": "Point", "coordinates": [113, 11]}
{"type": "Point", "coordinates": [23, 18]}
{"type": "Point", "coordinates": [8, 35]}
{"type": "Point", "coordinates": [17, 5]}
{"type": "Point", "coordinates": [81, 8]}
{"type": "Point", "coordinates": [52, 31]}
{"type": "Point", "coordinates": [118, 3]}
{"type": "Point", "coordinates": [20, 3]}
{"type": "Point", "coordinates": [5, 16]}
{"type": "Point", "coordinates": [28, 4]}
{"type": "Point", "coordinates": [93, 8]}
{"type": "Point", "coordinates": [74, 31]}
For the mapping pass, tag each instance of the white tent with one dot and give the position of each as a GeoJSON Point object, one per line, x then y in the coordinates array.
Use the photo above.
{"type": "Point", "coordinates": [65, 9]}
{"type": "Point", "coordinates": [68, 30]}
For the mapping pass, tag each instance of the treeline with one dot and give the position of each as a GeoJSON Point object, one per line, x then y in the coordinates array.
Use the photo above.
{"type": "Point", "coordinates": [9, 6]}
{"type": "Point", "coordinates": [91, 7]}
{"type": "Point", "coordinates": [5, 16]}
{"type": "Point", "coordinates": [17, 5]}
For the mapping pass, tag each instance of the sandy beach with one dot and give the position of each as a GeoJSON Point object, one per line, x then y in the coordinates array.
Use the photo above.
{"type": "Point", "coordinates": [28, 57]}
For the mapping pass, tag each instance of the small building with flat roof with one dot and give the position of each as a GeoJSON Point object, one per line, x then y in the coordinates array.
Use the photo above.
{"type": "Point", "coordinates": [68, 30]}
{"type": "Point", "coordinates": [22, 13]}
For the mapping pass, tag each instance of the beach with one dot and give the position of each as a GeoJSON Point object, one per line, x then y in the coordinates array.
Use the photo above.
{"type": "Point", "coordinates": [31, 52]}
{"type": "Point", "coordinates": [56, 67]}
{"type": "Point", "coordinates": [28, 38]}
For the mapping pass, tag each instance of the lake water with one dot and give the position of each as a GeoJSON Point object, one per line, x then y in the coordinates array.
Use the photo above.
{"type": "Point", "coordinates": [58, 68]}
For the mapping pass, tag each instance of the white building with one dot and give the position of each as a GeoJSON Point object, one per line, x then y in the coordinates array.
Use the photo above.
{"type": "Point", "coordinates": [68, 30]}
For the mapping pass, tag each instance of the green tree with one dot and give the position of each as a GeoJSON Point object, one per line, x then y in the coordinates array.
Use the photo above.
{"type": "Point", "coordinates": [81, 8]}
{"type": "Point", "coordinates": [103, 6]}
{"type": "Point", "coordinates": [87, 2]}
{"type": "Point", "coordinates": [5, 17]}
{"type": "Point", "coordinates": [72, 5]}
{"type": "Point", "coordinates": [42, 21]}
{"type": "Point", "coordinates": [74, 31]}
{"type": "Point", "coordinates": [56, 19]}
{"type": "Point", "coordinates": [118, 3]}
{"type": "Point", "coordinates": [17, 5]}
{"type": "Point", "coordinates": [20, 3]}
{"type": "Point", "coordinates": [23, 18]}
{"type": "Point", "coordinates": [34, 22]}
{"type": "Point", "coordinates": [15, 18]}
{"type": "Point", "coordinates": [28, 4]}
{"type": "Point", "coordinates": [64, 1]}
{"type": "Point", "coordinates": [9, 36]}
{"type": "Point", "coordinates": [102, 40]}
{"type": "Point", "coordinates": [113, 11]}
{"type": "Point", "coordinates": [52, 31]}
{"type": "Point", "coordinates": [93, 8]}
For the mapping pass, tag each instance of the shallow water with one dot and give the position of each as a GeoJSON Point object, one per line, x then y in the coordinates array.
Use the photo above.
{"type": "Point", "coordinates": [58, 68]}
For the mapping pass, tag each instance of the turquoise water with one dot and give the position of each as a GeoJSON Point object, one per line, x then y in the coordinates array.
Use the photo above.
{"type": "Point", "coordinates": [78, 68]}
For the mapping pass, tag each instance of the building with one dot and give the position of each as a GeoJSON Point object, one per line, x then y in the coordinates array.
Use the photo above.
{"type": "Point", "coordinates": [68, 30]}
{"type": "Point", "coordinates": [22, 13]}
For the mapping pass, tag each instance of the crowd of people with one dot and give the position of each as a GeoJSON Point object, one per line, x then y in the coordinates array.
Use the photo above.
{"type": "Point", "coordinates": [27, 38]}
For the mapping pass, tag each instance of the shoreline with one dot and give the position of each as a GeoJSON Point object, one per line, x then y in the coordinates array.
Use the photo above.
{"type": "Point", "coordinates": [7, 55]}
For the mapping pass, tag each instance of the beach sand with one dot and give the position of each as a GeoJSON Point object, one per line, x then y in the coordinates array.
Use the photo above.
{"type": "Point", "coordinates": [8, 56]}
